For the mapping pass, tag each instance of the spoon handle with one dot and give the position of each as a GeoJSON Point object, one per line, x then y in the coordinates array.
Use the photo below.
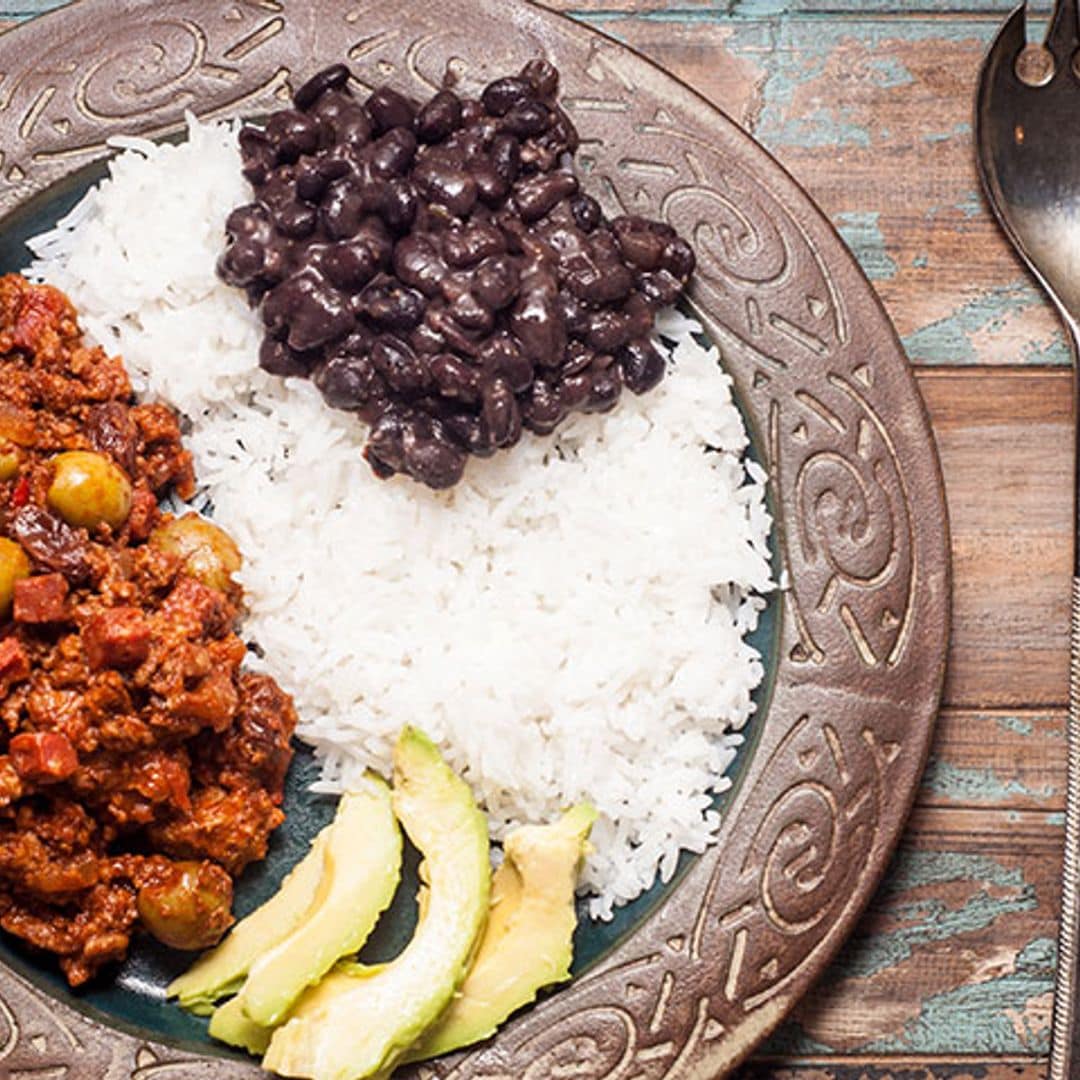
{"type": "Point", "coordinates": [1065, 1031]}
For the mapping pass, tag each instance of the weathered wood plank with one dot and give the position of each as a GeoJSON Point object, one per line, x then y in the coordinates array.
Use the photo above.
{"type": "Point", "coordinates": [1005, 441]}
{"type": "Point", "coordinates": [956, 952]}
{"type": "Point", "coordinates": [905, 1068]}
{"type": "Point", "coordinates": [1013, 760]}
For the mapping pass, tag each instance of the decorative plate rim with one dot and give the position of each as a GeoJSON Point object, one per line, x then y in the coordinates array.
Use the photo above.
{"type": "Point", "coordinates": [854, 478]}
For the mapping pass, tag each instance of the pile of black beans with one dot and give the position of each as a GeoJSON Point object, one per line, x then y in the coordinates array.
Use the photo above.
{"type": "Point", "coordinates": [437, 270]}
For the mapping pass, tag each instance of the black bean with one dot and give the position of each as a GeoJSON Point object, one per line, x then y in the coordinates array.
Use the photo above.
{"type": "Point", "coordinates": [538, 195]}
{"type": "Point", "coordinates": [342, 210]}
{"type": "Point", "coordinates": [389, 109]}
{"type": "Point", "coordinates": [575, 315]}
{"type": "Point", "coordinates": [468, 246]}
{"type": "Point", "coordinates": [392, 154]}
{"type": "Point", "coordinates": [352, 126]}
{"type": "Point", "coordinates": [397, 204]}
{"type": "Point", "coordinates": [528, 118]}
{"type": "Point", "coordinates": [606, 388]}
{"type": "Point", "coordinates": [331, 78]}
{"type": "Point", "coordinates": [506, 157]}
{"type": "Point", "coordinates": [640, 245]}
{"type": "Point", "coordinates": [385, 450]}
{"type": "Point", "coordinates": [639, 315]}
{"type": "Point", "coordinates": [296, 220]}
{"type": "Point", "coordinates": [678, 259]}
{"type": "Point", "coordinates": [292, 133]}
{"type": "Point", "coordinates": [608, 329]}
{"type": "Point", "coordinates": [501, 355]}
{"type": "Point", "coordinates": [642, 366]}
{"type": "Point", "coordinates": [491, 188]}
{"type": "Point", "coordinates": [469, 431]}
{"type": "Point", "coordinates": [348, 382]}
{"type": "Point", "coordinates": [586, 212]}
{"type": "Point", "coordinates": [541, 410]}
{"type": "Point", "coordinates": [241, 263]}
{"type": "Point", "coordinates": [433, 459]}
{"type": "Point", "coordinates": [659, 288]}
{"type": "Point", "coordinates": [374, 232]}
{"type": "Point", "coordinates": [256, 155]}
{"type": "Point", "coordinates": [497, 281]}
{"type": "Point", "coordinates": [278, 359]}
{"type": "Point", "coordinates": [454, 378]}
{"type": "Point", "coordinates": [392, 306]}
{"type": "Point", "coordinates": [307, 309]}
{"type": "Point", "coordinates": [349, 264]}
{"type": "Point", "coordinates": [454, 188]}
{"type": "Point", "coordinates": [599, 282]}
{"type": "Point", "coordinates": [538, 328]}
{"type": "Point", "coordinates": [576, 358]}
{"type": "Point", "coordinates": [439, 117]}
{"type": "Point", "coordinates": [574, 390]}
{"type": "Point", "coordinates": [311, 181]}
{"type": "Point", "coordinates": [543, 76]}
{"type": "Point", "coordinates": [404, 372]}
{"type": "Point", "coordinates": [470, 313]}
{"type": "Point", "coordinates": [418, 264]}
{"type": "Point", "coordinates": [500, 96]}
{"type": "Point", "coordinates": [250, 220]}
{"type": "Point", "coordinates": [500, 413]}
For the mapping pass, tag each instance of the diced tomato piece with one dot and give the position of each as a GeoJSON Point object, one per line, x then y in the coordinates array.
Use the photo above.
{"type": "Point", "coordinates": [40, 599]}
{"type": "Point", "coordinates": [117, 638]}
{"type": "Point", "coordinates": [20, 494]}
{"type": "Point", "coordinates": [41, 311]}
{"type": "Point", "coordinates": [43, 756]}
{"type": "Point", "coordinates": [197, 609]}
{"type": "Point", "coordinates": [14, 663]}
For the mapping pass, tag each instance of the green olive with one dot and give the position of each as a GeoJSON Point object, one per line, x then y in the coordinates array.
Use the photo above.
{"type": "Point", "coordinates": [187, 906]}
{"type": "Point", "coordinates": [89, 490]}
{"type": "Point", "coordinates": [14, 566]}
{"type": "Point", "coordinates": [209, 553]}
{"type": "Point", "coordinates": [9, 460]}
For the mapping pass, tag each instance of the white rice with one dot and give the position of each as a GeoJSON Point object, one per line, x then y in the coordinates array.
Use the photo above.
{"type": "Point", "coordinates": [568, 623]}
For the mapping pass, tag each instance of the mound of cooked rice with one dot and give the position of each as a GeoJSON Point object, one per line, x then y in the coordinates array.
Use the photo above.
{"type": "Point", "coordinates": [567, 623]}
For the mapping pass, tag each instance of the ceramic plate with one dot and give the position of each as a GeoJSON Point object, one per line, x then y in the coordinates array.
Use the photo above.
{"type": "Point", "coordinates": [692, 976]}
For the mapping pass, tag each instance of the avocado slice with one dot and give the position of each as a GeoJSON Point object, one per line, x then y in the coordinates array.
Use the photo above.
{"type": "Point", "coordinates": [221, 971]}
{"type": "Point", "coordinates": [528, 943]}
{"type": "Point", "coordinates": [358, 1023]}
{"type": "Point", "coordinates": [230, 1024]}
{"type": "Point", "coordinates": [361, 869]}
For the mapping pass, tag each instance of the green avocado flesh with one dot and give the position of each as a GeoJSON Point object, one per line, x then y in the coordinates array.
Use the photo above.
{"type": "Point", "coordinates": [222, 970]}
{"type": "Point", "coordinates": [359, 1022]}
{"type": "Point", "coordinates": [361, 869]}
{"type": "Point", "coordinates": [528, 941]}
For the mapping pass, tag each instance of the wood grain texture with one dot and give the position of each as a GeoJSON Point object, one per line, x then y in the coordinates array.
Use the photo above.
{"type": "Point", "coordinates": [868, 103]}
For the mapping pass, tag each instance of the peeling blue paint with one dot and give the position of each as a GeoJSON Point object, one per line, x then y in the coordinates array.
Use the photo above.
{"type": "Point", "coordinates": [974, 786]}
{"type": "Point", "coordinates": [949, 340]}
{"type": "Point", "coordinates": [1016, 724]}
{"type": "Point", "coordinates": [957, 131]}
{"type": "Point", "coordinates": [972, 205]}
{"type": "Point", "coordinates": [983, 1012]}
{"type": "Point", "coordinates": [862, 233]}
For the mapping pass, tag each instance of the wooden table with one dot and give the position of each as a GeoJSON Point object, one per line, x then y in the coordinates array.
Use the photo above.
{"type": "Point", "coordinates": [868, 103]}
